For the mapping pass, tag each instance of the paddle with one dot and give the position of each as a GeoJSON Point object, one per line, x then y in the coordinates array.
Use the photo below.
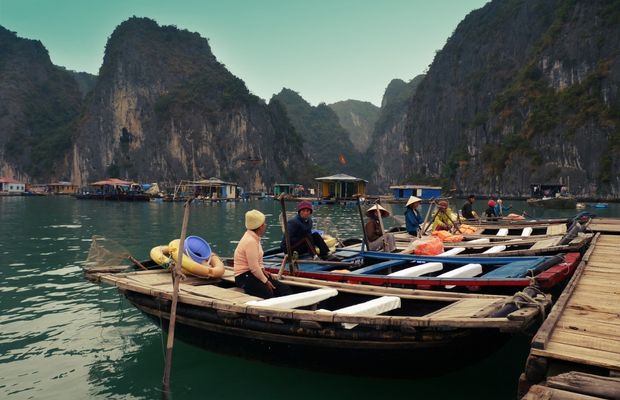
{"type": "Point", "coordinates": [426, 226]}
{"type": "Point", "coordinates": [359, 209]}
{"type": "Point", "coordinates": [378, 204]}
{"type": "Point", "coordinates": [289, 251]}
{"type": "Point", "coordinates": [176, 279]}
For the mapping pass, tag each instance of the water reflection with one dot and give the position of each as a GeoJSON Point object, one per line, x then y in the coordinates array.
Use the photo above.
{"type": "Point", "coordinates": [63, 337]}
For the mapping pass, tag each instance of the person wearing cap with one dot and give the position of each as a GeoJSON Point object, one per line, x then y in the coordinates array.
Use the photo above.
{"type": "Point", "coordinates": [377, 239]}
{"type": "Point", "coordinates": [490, 211]}
{"type": "Point", "coordinates": [248, 259]}
{"type": "Point", "coordinates": [467, 211]}
{"type": "Point", "coordinates": [444, 218]}
{"type": "Point", "coordinates": [301, 237]}
{"type": "Point", "coordinates": [413, 219]}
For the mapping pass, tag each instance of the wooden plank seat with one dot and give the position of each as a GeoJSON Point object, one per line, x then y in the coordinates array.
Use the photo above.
{"type": "Point", "coordinates": [466, 271]}
{"type": "Point", "coordinates": [527, 231]}
{"type": "Point", "coordinates": [371, 269]}
{"type": "Point", "coordinates": [375, 306]}
{"type": "Point", "coordinates": [296, 300]}
{"type": "Point", "coordinates": [495, 249]}
{"type": "Point", "coordinates": [452, 252]}
{"type": "Point", "coordinates": [419, 270]}
{"type": "Point", "coordinates": [502, 232]}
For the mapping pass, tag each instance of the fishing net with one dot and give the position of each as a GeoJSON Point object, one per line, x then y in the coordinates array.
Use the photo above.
{"type": "Point", "coordinates": [106, 254]}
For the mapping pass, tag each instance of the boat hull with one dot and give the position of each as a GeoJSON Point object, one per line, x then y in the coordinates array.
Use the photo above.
{"type": "Point", "coordinates": [371, 352]}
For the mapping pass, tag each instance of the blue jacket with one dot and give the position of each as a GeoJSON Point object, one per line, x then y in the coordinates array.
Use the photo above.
{"type": "Point", "coordinates": [298, 229]}
{"type": "Point", "coordinates": [413, 220]}
{"type": "Point", "coordinates": [500, 209]}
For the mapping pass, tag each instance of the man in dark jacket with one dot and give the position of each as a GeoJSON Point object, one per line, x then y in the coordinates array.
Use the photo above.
{"type": "Point", "coordinates": [467, 211]}
{"type": "Point", "coordinates": [302, 239]}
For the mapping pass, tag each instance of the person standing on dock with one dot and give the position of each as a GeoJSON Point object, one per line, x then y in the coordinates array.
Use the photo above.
{"type": "Point", "coordinates": [413, 219]}
{"type": "Point", "coordinates": [467, 211]}
{"type": "Point", "coordinates": [249, 272]}
{"type": "Point", "coordinates": [302, 239]}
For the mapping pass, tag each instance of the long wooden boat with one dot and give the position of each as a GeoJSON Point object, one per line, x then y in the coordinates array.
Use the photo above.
{"type": "Point", "coordinates": [483, 274]}
{"type": "Point", "coordinates": [563, 202]}
{"type": "Point", "coordinates": [353, 329]}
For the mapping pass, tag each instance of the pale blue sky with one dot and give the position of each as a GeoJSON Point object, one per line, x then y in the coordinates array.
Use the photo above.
{"type": "Point", "coordinates": [327, 50]}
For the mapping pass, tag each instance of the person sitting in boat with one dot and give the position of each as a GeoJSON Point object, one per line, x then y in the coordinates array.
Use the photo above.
{"type": "Point", "coordinates": [378, 240]}
{"type": "Point", "coordinates": [301, 237]}
{"type": "Point", "coordinates": [248, 258]}
{"type": "Point", "coordinates": [500, 208]}
{"type": "Point", "coordinates": [467, 210]}
{"type": "Point", "coordinates": [490, 211]}
{"type": "Point", "coordinates": [413, 219]}
{"type": "Point", "coordinates": [444, 218]}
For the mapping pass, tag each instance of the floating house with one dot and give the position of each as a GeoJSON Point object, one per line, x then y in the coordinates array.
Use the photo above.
{"type": "Point", "coordinates": [403, 192]}
{"type": "Point", "coordinates": [213, 189]}
{"type": "Point", "coordinates": [9, 186]}
{"type": "Point", "coordinates": [340, 187]}
{"type": "Point", "coordinates": [113, 189]}
{"type": "Point", "coordinates": [64, 188]}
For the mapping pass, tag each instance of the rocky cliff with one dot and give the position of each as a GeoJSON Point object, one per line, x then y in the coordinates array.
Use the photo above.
{"type": "Point", "coordinates": [165, 109]}
{"type": "Point", "coordinates": [388, 147]}
{"type": "Point", "coordinates": [358, 119]}
{"type": "Point", "coordinates": [39, 103]}
{"type": "Point", "coordinates": [523, 92]}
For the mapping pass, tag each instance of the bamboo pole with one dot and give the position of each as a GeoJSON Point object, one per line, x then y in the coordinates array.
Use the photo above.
{"type": "Point", "coordinates": [287, 238]}
{"type": "Point", "coordinates": [176, 277]}
{"type": "Point", "coordinates": [359, 209]}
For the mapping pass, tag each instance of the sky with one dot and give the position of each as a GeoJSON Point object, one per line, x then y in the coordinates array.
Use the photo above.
{"type": "Point", "coordinates": [326, 50]}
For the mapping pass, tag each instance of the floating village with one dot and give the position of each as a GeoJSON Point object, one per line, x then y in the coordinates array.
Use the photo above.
{"type": "Point", "coordinates": [452, 283]}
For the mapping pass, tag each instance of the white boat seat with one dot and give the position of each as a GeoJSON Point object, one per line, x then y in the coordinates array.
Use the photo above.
{"type": "Point", "coordinates": [297, 299]}
{"type": "Point", "coordinates": [527, 231]}
{"type": "Point", "coordinates": [502, 232]}
{"type": "Point", "coordinates": [375, 306]}
{"type": "Point", "coordinates": [418, 270]}
{"type": "Point", "coordinates": [453, 251]}
{"type": "Point", "coordinates": [479, 241]}
{"type": "Point", "coordinates": [466, 271]}
{"type": "Point", "coordinates": [495, 249]}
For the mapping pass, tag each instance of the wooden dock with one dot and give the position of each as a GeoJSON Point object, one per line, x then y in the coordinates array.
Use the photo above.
{"type": "Point", "coordinates": [576, 352]}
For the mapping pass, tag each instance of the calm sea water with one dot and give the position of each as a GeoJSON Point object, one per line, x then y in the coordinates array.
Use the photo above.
{"type": "Point", "coordinates": [62, 337]}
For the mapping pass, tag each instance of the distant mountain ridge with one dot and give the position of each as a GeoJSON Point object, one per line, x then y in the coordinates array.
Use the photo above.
{"type": "Point", "coordinates": [523, 92]}
{"type": "Point", "coordinates": [358, 119]}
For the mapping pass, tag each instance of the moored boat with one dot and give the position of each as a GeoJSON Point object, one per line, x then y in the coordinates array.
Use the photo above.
{"type": "Point", "coordinates": [335, 327]}
{"type": "Point", "coordinates": [484, 274]}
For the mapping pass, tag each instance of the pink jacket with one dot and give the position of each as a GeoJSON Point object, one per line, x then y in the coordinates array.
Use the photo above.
{"type": "Point", "coordinates": [249, 256]}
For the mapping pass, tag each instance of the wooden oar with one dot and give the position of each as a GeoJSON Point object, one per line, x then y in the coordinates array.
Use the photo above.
{"type": "Point", "coordinates": [378, 204]}
{"type": "Point", "coordinates": [289, 251]}
{"type": "Point", "coordinates": [428, 212]}
{"type": "Point", "coordinates": [359, 209]}
{"type": "Point", "coordinates": [176, 278]}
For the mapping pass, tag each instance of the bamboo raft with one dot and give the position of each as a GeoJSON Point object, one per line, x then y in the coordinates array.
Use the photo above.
{"type": "Point", "coordinates": [581, 334]}
{"type": "Point", "coordinates": [412, 332]}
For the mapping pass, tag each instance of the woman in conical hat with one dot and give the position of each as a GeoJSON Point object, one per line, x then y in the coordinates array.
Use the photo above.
{"type": "Point", "coordinates": [377, 239]}
{"type": "Point", "coordinates": [413, 219]}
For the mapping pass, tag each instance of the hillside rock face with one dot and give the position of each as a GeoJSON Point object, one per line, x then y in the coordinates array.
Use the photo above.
{"type": "Point", "coordinates": [523, 92]}
{"type": "Point", "coordinates": [165, 109]}
{"type": "Point", "coordinates": [358, 119]}
{"type": "Point", "coordinates": [38, 103]}
{"type": "Point", "coordinates": [326, 142]}
{"type": "Point", "coordinates": [388, 147]}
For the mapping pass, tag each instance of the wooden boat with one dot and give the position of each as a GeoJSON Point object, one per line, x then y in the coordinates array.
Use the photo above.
{"type": "Point", "coordinates": [354, 329]}
{"type": "Point", "coordinates": [484, 274]}
{"type": "Point", "coordinates": [563, 202]}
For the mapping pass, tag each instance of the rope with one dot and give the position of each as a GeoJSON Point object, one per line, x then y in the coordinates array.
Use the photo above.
{"type": "Point", "coordinates": [522, 299]}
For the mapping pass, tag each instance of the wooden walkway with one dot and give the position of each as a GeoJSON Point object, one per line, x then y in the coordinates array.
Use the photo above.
{"type": "Point", "coordinates": [582, 332]}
